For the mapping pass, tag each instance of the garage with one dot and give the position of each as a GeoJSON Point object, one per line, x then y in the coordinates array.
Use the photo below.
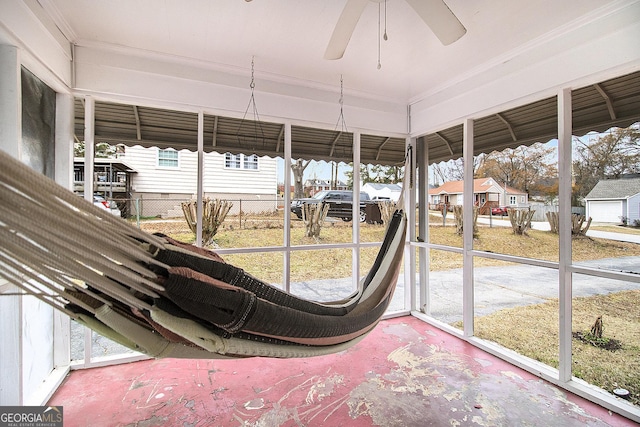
{"type": "Point", "coordinates": [605, 210]}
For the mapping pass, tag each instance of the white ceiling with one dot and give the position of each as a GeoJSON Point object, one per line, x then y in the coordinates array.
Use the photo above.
{"type": "Point", "coordinates": [288, 38]}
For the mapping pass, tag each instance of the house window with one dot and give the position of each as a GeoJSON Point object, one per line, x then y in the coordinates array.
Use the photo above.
{"type": "Point", "coordinates": [240, 161]}
{"type": "Point", "coordinates": [513, 200]}
{"type": "Point", "coordinates": [232, 161]}
{"type": "Point", "coordinates": [251, 162]}
{"type": "Point", "coordinates": [522, 199]}
{"type": "Point", "coordinates": [167, 158]}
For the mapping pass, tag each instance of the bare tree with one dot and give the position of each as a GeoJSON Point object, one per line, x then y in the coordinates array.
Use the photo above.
{"type": "Point", "coordinates": [453, 170]}
{"type": "Point", "coordinates": [609, 156]}
{"type": "Point", "coordinates": [528, 168]}
{"type": "Point", "coordinates": [298, 168]}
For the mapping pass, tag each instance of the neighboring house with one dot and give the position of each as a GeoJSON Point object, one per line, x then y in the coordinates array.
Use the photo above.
{"type": "Point", "coordinates": [612, 199]}
{"type": "Point", "coordinates": [112, 177]}
{"type": "Point", "coordinates": [165, 177]}
{"type": "Point", "coordinates": [487, 193]}
{"type": "Point", "coordinates": [382, 191]}
{"type": "Point", "coordinates": [313, 186]}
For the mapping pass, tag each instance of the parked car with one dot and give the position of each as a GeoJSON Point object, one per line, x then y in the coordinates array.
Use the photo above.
{"type": "Point", "coordinates": [108, 205]}
{"type": "Point", "coordinates": [340, 204]}
{"type": "Point", "coordinates": [501, 211]}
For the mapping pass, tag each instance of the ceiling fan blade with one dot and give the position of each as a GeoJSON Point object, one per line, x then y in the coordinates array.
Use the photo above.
{"type": "Point", "coordinates": [344, 28]}
{"type": "Point", "coordinates": [437, 15]}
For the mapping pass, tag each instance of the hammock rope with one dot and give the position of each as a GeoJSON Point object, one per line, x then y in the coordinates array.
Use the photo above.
{"type": "Point", "coordinates": [165, 298]}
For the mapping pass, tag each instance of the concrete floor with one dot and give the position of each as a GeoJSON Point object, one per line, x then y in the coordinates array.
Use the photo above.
{"type": "Point", "coordinates": [405, 373]}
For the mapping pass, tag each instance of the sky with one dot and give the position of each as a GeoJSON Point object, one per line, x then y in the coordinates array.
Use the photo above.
{"type": "Point", "coordinates": [317, 170]}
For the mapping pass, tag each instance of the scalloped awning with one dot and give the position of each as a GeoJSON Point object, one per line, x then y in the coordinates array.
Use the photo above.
{"type": "Point", "coordinates": [598, 107]}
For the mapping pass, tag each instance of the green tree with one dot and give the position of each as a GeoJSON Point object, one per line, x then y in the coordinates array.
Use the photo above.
{"type": "Point", "coordinates": [386, 174]}
{"type": "Point", "coordinates": [102, 150]}
{"type": "Point", "coordinates": [376, 173]}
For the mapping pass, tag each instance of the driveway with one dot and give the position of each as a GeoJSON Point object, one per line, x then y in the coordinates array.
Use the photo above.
{"type": "Point", "coordinates": [496, 221]}
{"type": "Point", "coordinates": [499, 287]}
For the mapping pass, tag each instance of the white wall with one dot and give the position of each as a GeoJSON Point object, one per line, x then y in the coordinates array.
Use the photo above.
{"type": "Point", "coordinates": [29, 350]}
{"type": "Point", "coordinates": [190, 86]}
{"type": "Point", "coordinates": [150, 178]}
{"type": "Point", "coordinates": [633, 208]}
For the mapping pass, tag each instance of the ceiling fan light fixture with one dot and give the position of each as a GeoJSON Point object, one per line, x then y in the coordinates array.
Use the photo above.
{"type": "Point", "coordinates": [435, 14]}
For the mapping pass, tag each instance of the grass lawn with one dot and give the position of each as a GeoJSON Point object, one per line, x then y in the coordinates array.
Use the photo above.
{"type": "Point", "coordinates": [530, 330]}
{"type": "Point", "coordinates": [533, 331]}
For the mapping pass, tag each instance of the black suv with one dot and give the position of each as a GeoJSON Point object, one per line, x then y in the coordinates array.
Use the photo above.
{"type": "Point", "coordinates": [340, 204]}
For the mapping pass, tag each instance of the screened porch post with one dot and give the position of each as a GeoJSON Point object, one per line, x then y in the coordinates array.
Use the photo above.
{"type": "Point", "coordinates": [422, 153]}
{"type": "Point", "coordinates": [467, 230]}
{"type": "Point", "coordinates": [355, 211]}
{"type": "Point", "coordinates": [89, 154]}
{"type": "Point", "coordinates": [64, 177]}
{"type": "Point", "coordinates": [564, 227]}
{"type": "Point", "coordinates": [410, 296]}
{"type": "Point", "coordinates": [199, 186]}
{"type": "Point", "coordinates": [287, 207]}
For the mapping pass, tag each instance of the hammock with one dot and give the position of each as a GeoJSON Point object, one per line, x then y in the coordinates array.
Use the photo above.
{"type": "Point", "coordinates": [164, 298]}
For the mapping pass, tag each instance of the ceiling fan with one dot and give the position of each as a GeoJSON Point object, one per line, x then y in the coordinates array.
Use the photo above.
{"type": "Point", "coordinates": [435, 13]}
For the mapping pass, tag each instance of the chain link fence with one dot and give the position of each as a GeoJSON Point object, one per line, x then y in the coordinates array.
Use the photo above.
{"type": "Point", "coordinates": [245, 213]}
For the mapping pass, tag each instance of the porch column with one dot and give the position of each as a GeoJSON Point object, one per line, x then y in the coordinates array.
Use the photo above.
{"type": "Point", "coordinates": [10, 101]}
{"type": "Point", "coordinates": [287, 207]}
{"type": "Point", "coordinates": [11, 384]}
{"type": "Point", "coordinates": [63, 176]}
{"type": "Point", "coordinates": [564, 232]}
{"type": "Point", "coordinates": [355, 211]}
{"type": "Point", "coordinates": [410, 296]}
{"type": "Point", "coordinates": [422, 153]}
{"type": "Point", "coordinates": [89, 146]}
{"type": "Point", "coordinates": [467, 230]}
{"type": "Point", "coordinates": [199, 205]}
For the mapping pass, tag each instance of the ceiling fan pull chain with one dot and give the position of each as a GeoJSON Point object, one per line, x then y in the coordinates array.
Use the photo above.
{"type": "Point", "coordinates": [385, 21]}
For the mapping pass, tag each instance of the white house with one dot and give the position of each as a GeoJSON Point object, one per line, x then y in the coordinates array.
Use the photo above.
{"type": "Point", "coordinates": [613, 199]}
{"type": "Point", "coordinates": [390, 191]}
{"type": "Point", "coordinates": [487, 193]}
{"type": "Point", "coordinates": [166, 177]}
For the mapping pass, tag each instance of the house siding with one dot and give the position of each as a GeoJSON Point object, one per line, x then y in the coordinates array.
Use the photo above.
{"type": "Point", "coordinates": [182, 180]}
{"type": "Point", "coordinates": [633, 208]}
{"type": "Point", "coordinates": [220, 179]}
{"type": "Point", "coordinates": [160, 190]}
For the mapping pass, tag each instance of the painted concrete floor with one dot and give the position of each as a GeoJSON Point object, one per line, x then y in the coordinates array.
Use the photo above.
{"type": "Point", "coordinates": [405, 373]}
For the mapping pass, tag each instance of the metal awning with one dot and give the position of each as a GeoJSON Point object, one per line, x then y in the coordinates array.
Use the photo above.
{"type": "Point", "coordinates": [615, 102]}
{"type": "Point", "coordinates": [612, 103]}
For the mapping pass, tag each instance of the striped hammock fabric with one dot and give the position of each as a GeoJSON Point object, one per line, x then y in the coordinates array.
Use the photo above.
{"type": "Point", "coordinates": [165, 298]}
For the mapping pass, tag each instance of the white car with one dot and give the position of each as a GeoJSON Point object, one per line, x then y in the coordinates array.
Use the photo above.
{"type": "Point", "coordinates": [106, 205]}
{"type": "Point", "coordinates": [109, 205]}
